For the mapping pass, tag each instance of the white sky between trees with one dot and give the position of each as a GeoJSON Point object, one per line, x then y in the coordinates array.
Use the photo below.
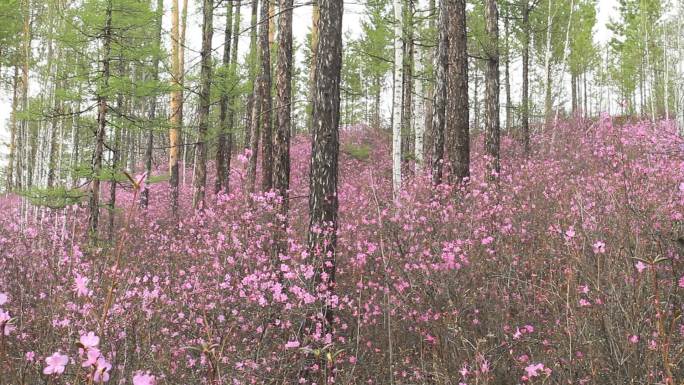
{"type": "Point", "coordinates": [353, 16]}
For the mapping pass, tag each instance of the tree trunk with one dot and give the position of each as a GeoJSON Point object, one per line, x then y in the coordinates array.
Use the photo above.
{"type": "Point", "coordinates": [22, 179]}
{"type": "Point", "coordinates": [253, 57]}
{"type": "Point", "coordinates": [420, 104]}
{"type": "Point", "coordinates": [430, 86]}
{"type": "Point", "coordinates": [116, 152]}
{"type": "Point", "coordinates": [315, 18]}
{"type": "Point", "coordinates": [223, 146]}
{"type": "Point", "coordinates": [204, 104]}
{"type": "Point", "coordinates": [548, 98]}
{"type": "Point", "coordinates": [176, 107]}
{"type": "Point", "coordinates": [13, 131]}
{"type": "Point", "coordinates": [265, 99]}
{"type": "Point", "coordinates": [398, 92]}
{"type": "Point", "coordinates": [323, 199]}
{"type": "Point", "coordinates": [152, 109]}
{"type": "Point", "coordinates": [458, 120]}
{"type": "Point", "coordinates": [94, 203]}
{"type": "Point", "coordinates": [525, 121]}
{"type": "Point", "coordinates": [507, 74]}
{"type": "Point", "coordinates": [439, 119]}
{"type": "Point", "coordinates": [573, 92]}
{"type": "Point", "coordinates": [492, 89]}
{"type": "Point", "coordinates": [407, 79]}
{"type": "Point", "coordinates": [281, 171]}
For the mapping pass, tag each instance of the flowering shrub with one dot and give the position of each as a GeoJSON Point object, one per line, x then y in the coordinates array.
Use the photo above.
{"type": "Point", "coordinates": [568, 269]}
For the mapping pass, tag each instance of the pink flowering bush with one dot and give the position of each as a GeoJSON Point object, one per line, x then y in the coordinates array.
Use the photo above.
{"type": "Point", "coordinates": [567, 269]}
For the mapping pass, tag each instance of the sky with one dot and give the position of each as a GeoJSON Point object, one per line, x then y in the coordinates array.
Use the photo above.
{"type": "Point", "coordinates": [301, 23]}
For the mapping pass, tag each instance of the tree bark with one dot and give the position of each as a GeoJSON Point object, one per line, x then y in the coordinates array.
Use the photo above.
{"type": "Point", "coordinates": [407, 79]}
{"type": "Point", "coordinates": [265, 99]}
{"type": "Point", "coordinates": [253, 56]}
{"type": "Point", "coordinates": [398, 92]}
{"type": "Point", "coordinates": [176, 106]}
{"type": "Point", "coordinates": [224, 136]}
{"type": "Point", "coordinates": [152, 109]}
{"type": "Point", "coordinates": [507, 72]}
{"type": "Point", "coordinates": [94, 203]}
{"type": "Point", "coordinates": [492, 89]}
{"type": "Point", "coordinates": [281, 171]}
{"type": "Point", "coordinates": [323, 199]}
{"type": "Point", "coordinates": [283, 100]}
{"type": "Point", "coordinates": [13, 131]}
{"type": "Point", "coordinates": [458, 120]}
{"type": "Point", "coordinates": [204, 104]}
{"type": "Point", "coordinates": [525, 119]}
{"type": "Point", "coordinates": [439, 119]}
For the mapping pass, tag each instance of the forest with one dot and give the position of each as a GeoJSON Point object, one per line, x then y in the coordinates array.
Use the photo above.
{"type": "Point", "coordinates": [391, 192]}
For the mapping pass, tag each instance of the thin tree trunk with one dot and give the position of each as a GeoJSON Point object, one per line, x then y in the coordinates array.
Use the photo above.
{"type": "Point", "coordinates": [230, 137]}
{"type": "Point", "coordinates": [398, 92]}
{"type": "Point", "coordinates": [407, 79]}
{"type": "Point", "coordinates": [94, 203]}
{"type": "Point", "coordinates": [525, 121]}
{"type": "Point", "coordinates": [548, 98]}
{"type": "Point", "coordinates": [23, 180]}
{"type": "Point", "coordinates": [458, 120]}
{"type": "Point", "coordinates": [200, 181]}
{"type": "Point", "coordinates": [222, 150]}
{"type": "Point", "coordinates": [315, 18]}
{"type": "Point", "coordinates": [420, 104]}
{"type": "Point", "coordinates": [13, 131]}
{"type": "Point", "coordinates": [152, 109]}
{"type": "Point", "coordinates": [266, 103]}
{"type": "Point", "coordinates": [430, 87]}
{"type": "Point", "coordinates": [116, 152]}
{"type": "Point", "coordinates": [176, 108]}
{"type": "Point", "coordinates": [492, 89]}
{"type": "Point", "coordinates": [439, 120]}
{"type": "Point", "coordinates": [253, 71]}
{"type": "Point", "coordinates": [507, 72]}
{"type": "Point", "coordinates": [281, 170]}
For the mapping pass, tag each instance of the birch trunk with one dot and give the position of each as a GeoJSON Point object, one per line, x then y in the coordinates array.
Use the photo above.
{"type": "Point", "coordinates": [398, 92]}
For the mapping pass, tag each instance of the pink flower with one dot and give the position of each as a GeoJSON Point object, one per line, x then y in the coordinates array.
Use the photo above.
{"type": "Point", "coordinates": [89, 340]}
{"type": "Point", "coordinates": [681, 281]}
{"type": "Point", "coordinates": [91, 357]}
{"type": "Point", "coordinates": [633, 339]}
{"type": "Point", "coordinates": [584, 303]}
{"type": "Point", "coordinates": [102, 370]}
{"type": "Point", "coordinates": [3, 298]}
{"type": "Point", "coordinates": [81, 285]}
{"type": "Point", "coordinates": [141, 378]}
{"type": "Point", "coordinates": [533, 369]}
{"type": "Point", "coordinates": [599, 247]}
{"type": "Point", "coordinates": [292, 344]}
{"type": "Point", "coordinates": [569, 233]}
{"type": "Point", "coordinates": [5, 327]}
{"type": "Point", "coordinates": [640, 266]}
{"type": "Point", "coordinates": [55, 363]}
{"type": "Point", "coordinates": [30, 356]}
{"type": "Point", "coordinates": [517, 334]}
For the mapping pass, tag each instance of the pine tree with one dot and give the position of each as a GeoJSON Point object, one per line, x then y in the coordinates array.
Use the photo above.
{"type": "Point", "coordinates": [323, 200]}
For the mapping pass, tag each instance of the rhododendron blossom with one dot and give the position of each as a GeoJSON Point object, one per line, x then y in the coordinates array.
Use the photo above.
{"type": "Point", "coordinates": [143, 379]}
{"type": "Point", "coordinates": [56, 363]}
